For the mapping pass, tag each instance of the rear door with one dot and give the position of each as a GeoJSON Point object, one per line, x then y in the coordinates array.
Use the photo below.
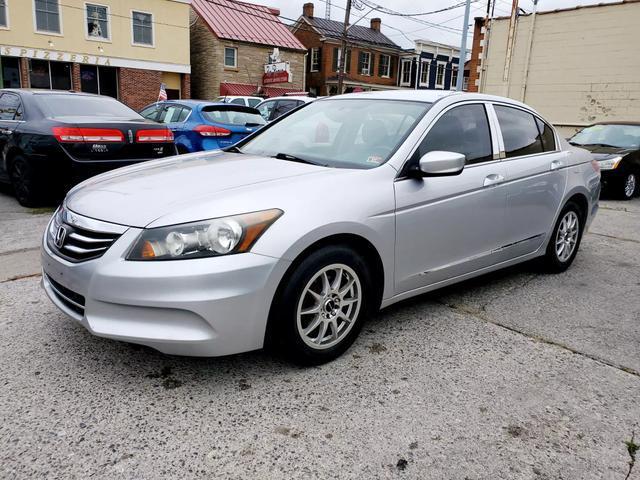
{"type": "Point", "coordinates": [536, 173]}
{"type": "Point", "coordinates": [11, 113]}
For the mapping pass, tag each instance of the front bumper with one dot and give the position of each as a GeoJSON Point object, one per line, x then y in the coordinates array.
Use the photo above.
{"type": "Point", "coordinates": [200, 307]}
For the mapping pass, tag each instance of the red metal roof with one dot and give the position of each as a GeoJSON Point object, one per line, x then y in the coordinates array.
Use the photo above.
{"type": "Point", "coordinates": [246, 22]}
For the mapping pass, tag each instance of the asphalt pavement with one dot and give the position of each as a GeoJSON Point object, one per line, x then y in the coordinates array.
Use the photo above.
{"type": "Point", "coordinates": [514, 375]}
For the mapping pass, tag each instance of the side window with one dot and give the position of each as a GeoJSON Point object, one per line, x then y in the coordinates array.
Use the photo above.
{"type": "Point", "coordinates": [238, 101]}
{"type": "Point", "coordinates": [151, 113]}
{"type": "Point", "coordinates": [10, 108]}
{"type": "Point", "coordinates": [548, 139]}
{"type": "Point", "coordinates": [184, 114]}
{"type": "Point", "coordinates": [253, 102]}
{"type": "Point", "coordinates": [284, 106]}
{"type": "Point", "coordinates": [266, 109]}
{"type": "Point", "coordinates": [519, 131]}
{"type": "Point", "coordinates": [171, 114]}
{"type": "Point", "coordinates": [463, 129]}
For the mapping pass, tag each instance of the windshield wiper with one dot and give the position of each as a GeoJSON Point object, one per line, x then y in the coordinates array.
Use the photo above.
{"type": "Point", "coordinates": [232, 149]}
{"type": "Point", "coordinates": [293, 158]}
{"type": "Point", "coordinates": [596, 145]}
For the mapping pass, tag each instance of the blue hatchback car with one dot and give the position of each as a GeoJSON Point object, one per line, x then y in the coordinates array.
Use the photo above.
{"type": "Point", "coordinates": [201, 125]}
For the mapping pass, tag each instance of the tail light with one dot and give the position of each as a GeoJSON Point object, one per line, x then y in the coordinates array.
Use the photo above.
{"type": "Point", "coordinates": [212, 131]}
{"type": "Point", "coordinates": [87, 135]}
{"type": "Point", "coordinates": [163, 135]}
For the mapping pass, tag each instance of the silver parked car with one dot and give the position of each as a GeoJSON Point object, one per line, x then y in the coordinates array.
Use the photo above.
{"type": "Point", "coordinates": [297, 234]}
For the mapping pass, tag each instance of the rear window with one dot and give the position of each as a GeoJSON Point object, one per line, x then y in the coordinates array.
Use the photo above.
{"type": "Point", "coordinates": [83, 106]}
{"type": "Point", "coordinates": [233, 115]}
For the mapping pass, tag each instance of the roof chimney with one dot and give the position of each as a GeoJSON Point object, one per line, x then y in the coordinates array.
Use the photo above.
{"type": "Point", "coordinates": [375, 24]}
{"type": "Point", "coordinates": [307, 10]}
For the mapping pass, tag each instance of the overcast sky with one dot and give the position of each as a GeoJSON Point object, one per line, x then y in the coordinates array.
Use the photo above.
{"type": "Point", "coordinates": [405, 30]}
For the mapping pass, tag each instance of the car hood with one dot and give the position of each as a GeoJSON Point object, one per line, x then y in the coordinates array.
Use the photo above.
{"type": "Point", "coordinates": [187, 188]}
{"type": "Point", "coordinates": [601, 152]}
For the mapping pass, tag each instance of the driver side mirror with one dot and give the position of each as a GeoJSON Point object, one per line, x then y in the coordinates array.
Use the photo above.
{"type": "Point", "coordinates": [439, 164]}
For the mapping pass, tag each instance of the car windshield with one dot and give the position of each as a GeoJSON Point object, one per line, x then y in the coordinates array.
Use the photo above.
{"type": "Point", "coordinates": [233, 115]}
{"type": "Point", "coordinates": [346, 133]}
{"type": "Point", "coordinates": [83, 105]}
{"type": "Point", "coordinates": [620, 136]}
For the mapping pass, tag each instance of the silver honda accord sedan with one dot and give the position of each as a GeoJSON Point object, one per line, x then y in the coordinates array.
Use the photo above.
{"type": "Point", "coordinates": [296, 235]}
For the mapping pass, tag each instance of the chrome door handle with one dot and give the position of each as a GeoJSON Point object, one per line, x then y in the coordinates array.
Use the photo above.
{"type": "Point", "coordinates": [555, 165]}
{"type": "Point", "coordinates": [4, 131]}
{"type": "Point", "coordinates": [493, 179]}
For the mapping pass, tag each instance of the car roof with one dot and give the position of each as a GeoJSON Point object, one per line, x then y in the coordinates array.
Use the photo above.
{"type": "Point", "coordinates": [292, 97]}
{"type": "Point", "coordinates": [46, 91]}
{"type": "Point", "coordinates": [634, 123]}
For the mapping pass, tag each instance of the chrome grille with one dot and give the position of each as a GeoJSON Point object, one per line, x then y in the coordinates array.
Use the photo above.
{"type": "Point", "coordinates": [70, 237]}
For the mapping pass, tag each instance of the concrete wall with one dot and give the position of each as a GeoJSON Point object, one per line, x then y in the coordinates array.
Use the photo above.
{"type": "Point", "coordinates": [208, 70]}
{"type": "Point", "coordinates": [584, 64]}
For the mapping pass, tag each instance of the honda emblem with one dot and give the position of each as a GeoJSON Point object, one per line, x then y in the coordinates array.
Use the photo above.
{"type": "Point", "coordinates": [61, 234]}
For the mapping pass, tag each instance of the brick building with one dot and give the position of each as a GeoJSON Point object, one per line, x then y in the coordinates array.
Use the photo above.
{"type": "Point", "coordinates": [576, 65]}
{"type": "Point", "coordinates": [231, 42]}
{"type": "Point", "coordinates": [372, 59]}
{"type": "Point", "coordinates": [109, 47]}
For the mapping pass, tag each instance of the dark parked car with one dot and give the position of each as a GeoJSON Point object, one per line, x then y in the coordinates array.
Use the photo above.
{"type": "Point", "coordinates": [51, 139]}
{"type": "Point", "coordinates": [616, 147]}
{"type": "Point", "coordinates": [201, 125]}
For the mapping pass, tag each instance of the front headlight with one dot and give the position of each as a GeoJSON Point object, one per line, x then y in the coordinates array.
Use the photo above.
{"type": "Point", "coordinates": [609, 163]}
{"type": "Point", "coordinates": [208, 238]}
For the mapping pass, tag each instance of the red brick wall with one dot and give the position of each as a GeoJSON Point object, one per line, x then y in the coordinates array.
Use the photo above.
{"type": "Point", "coordinates": [476, 49]}
{"type": "Point", "coordinates": [139, 88]}
{"type": "Point", "coordinates": [185, 85]}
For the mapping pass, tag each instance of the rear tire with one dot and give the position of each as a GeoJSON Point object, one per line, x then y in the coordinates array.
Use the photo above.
{"type": "Point", "coordinates": [24, 182]}
{"type": "Point", "coordinates": [321, 309]}
{"type": "Point", "coordinates": [565, 239]}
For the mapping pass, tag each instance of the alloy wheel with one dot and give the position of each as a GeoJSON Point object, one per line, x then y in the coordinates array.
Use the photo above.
{"type": "Point", "coordinates": [567, 236]}
{"type": "Point", "coordinates": [328, 306]}
{"type": "Point", "coordinates": [630, 185]}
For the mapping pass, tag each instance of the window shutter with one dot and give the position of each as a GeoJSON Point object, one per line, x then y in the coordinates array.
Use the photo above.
{"type": "Point", "coordinates": [372, 70]}
{"type": "Point", "coordinates": [380, 72]}
{"type": "Point", "coordinates": [348, 61]}
{"type": "Point", "coordinates": [319, 59]}
{"type": "Point", "coordinates": [360, 62]}
{"type": "Point", "coordinates": [309, 59]}
{"type": "Point", "coordinates": [335, 59]}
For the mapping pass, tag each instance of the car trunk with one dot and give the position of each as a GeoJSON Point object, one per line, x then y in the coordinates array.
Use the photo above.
{"type": "Point", "coordinates": [92, 140]}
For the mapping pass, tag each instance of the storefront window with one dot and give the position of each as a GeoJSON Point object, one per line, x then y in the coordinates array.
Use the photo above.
{"type": "Point", "coordinates": [10, 72]}
{"type": "Point", "coordinates": [100, 80]}
{"type": "Point", "coordinates": [51, 75]}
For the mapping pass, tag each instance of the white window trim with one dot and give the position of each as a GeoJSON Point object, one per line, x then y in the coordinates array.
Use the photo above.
{"type": "Point", "coordinates": [153, 31]}
{"type": "Point", "coordinates": [388, 75]}
{"type": "Point", "coordinates": [315, 53]}
{"type": "Point", "coordinates": [235, 57]}
{"type": "Point", "coordinates": [46, 32]}
{"type": "Point", "coordinates": [425, 65]}
{"type": "Point", "coordinates": [6, 10]}
{"type": "Point", "coordinates": [368, 73]}
{"type": "Point", "coordinates": [402, 66]}
{"type": "Point", "coordinates": [86, 22]}
{"type": "Point", "coordinates": [457, 70]}
{"type": "Point", "coordinates": [444, 73]}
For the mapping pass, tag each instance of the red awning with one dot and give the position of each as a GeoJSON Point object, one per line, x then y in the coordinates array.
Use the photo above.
{"type": "Point", "coordinates": [244, 89]}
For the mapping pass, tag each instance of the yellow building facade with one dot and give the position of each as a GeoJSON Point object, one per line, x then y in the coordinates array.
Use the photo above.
{"type": "Point", "coordinates": [122, 48]}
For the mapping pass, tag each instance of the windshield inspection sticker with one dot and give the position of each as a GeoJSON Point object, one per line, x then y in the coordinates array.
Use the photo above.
{"type": "Point", "coordinates": [374, 159]}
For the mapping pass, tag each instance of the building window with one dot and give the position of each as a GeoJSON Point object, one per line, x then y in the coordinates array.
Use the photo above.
{"type": "Point", "coordinates": [440, 74]}
{"type": "Point", "coordinates": [364, 65]}
{"type": "Point", "coordinates": [454, 77]}
{"type": "Point", "coordinates": [384, 68]}
{"type": "Point", "coordinates": [424, 73]}
{"type": "Point", "coordinates": [405, 75]}
{"type": "Point", "coordinates": [4, 15]}
{"type": "Point", "coordinates": [10, 72]}
{"type": "Point", "coordinates": [337, 54]}
{"type": "Point", "coordinates": [51, 75]}
{"type": "Point", "coordinates": [230, 57]}
{"type": "Point", "coordinates": [142, 28]}
{"type": "Point", "coordinates": [465, 83]}
{"type": "Point", "coordinates": [47, 16]}
{"type": "Point", "coordinates": [99, 80]}
{"type": "Point", "coordinates": [315, 59]}
{"type": "Point", "coordinates": [97, 18]}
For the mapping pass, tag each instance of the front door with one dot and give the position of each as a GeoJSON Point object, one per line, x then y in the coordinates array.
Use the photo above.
{"type": "Point", "coordinates": [449, 226]}
{"type": "Point", "coordinates": [536, 179]}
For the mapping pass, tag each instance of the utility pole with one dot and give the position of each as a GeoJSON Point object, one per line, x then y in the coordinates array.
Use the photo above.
{"type": "Point", "coordinates": [343, 49]}
{"type": "Point", "coordinates": [327, 11]}
{"type": "Point", "coordinates": [463, 47]}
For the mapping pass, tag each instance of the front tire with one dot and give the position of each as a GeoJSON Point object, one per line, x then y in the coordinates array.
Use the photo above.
{"type": "Point", "coordinates": [322, 306]}
{"type": "Point", "coordinates": [628, 187]}
{"type": "Point", "coordinates": [565, 240]}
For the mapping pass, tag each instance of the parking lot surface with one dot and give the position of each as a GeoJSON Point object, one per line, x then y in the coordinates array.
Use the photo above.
{"type": "Point", "coordinates": [514, 375]}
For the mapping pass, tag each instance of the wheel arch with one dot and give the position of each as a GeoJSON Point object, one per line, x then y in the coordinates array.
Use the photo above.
{"type": "Point", "coordinates": [12, 152]}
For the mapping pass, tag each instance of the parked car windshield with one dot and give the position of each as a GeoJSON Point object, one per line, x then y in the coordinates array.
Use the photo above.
{"type": "Point", "coordinates": [83, 105]}
{"type": "Point", "coordinates": [621, 136]}
{"type": "Point", "coordinates": [233, 115]}
{"type": "Point", "coordinates": [346, 133]}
